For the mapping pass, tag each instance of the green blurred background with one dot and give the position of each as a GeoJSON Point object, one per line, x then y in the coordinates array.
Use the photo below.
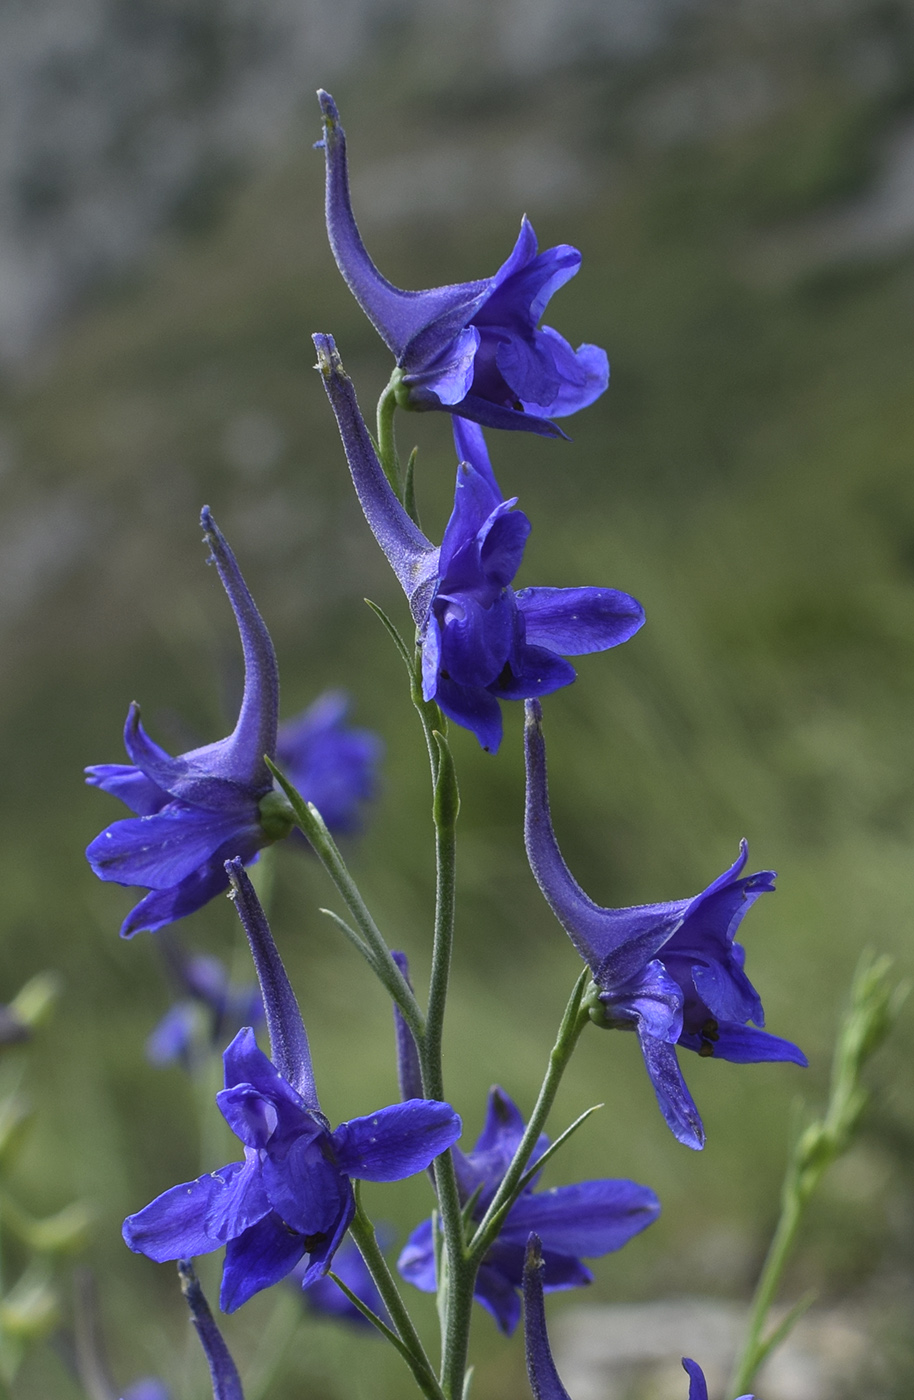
{"type": "Point", "coordinates": [738, 188]}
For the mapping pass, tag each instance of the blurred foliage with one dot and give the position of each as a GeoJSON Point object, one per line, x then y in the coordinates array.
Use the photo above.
{"type": "Point", "coordinates": [747, 476]}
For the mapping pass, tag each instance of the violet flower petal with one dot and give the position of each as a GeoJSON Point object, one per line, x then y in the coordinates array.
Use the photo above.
{"type": "Point", "coordinates": [396, 1142]}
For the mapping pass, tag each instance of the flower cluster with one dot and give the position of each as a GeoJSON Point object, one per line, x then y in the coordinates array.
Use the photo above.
{"type": "Point", "coordinates": [672, 972]}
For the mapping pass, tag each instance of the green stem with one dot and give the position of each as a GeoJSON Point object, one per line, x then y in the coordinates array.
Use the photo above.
{"type": "Point", "coordinates": [573, 1022]}
{"type": "Point", "coordinates": [460, 1272]}
{"type": "Point", "coordinates": [387, 443]}
{"type": "Point", "coordinates": [362, 1232]}
{"type": "Point", "coordinates": [755, 1349]}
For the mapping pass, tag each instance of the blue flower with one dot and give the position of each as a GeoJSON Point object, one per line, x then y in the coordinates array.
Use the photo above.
{"type": "Point", "coordinates": [473, 349]}
{"type": "Point", "coordinates": [330, 763]}
{"type": "Point", "coordinates": [672, 972]}
{"type": "Point", "coordinates": [211, 997]}
{"type": "Point", "coordinates": [544, 1378]}
{"type": "Point", "coordinates": [481, 640]}
{"type": "Point", "coordinates": [292, 1195]}
{"type": "Point", "coordinates": [196, 811]}
{"type": "Point", "coordinates": [591, 1219]}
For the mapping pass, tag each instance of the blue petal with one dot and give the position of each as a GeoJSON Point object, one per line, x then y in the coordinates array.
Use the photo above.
{"type": "Point", "coordinates": [476, 498]}
{"type": "Point", "coordinates": [674, 1099]}
{"type": "Point", "coordinates": [147, 1389]}
{"type": "Point", "coordinates": [544, 1378]}
{"type": "Point", "coordinates": [521, 297]}
{"type": "Point", "coordinates": [247, 1066]}
{"type": "Point", "coordinates": [744, 1046]}
{"type": "Point", "coordinates": [260, 1257]}
{"type": "Point", "coordinates": [322, 1250]}
{"type": "Point", "coordinates": [498, 1296]}
{"type": "Point", "coordinates": [575, 621]}
{"type": "Point", "coordinates": [533, 671]}
{"type": "Point", "coordinates": [198, 1216]}
{"type": "Point", "coordinates": [130, 784]}
{"type": "Point", "coordinates": [417, 1259]}
{"type": "Point", "coordinates": [399, 317]}
{"type": "Point", "coordinates": [591, 1218]}
{"type": "Point", "coordinates": [473, 708]}
{"type": "Point", "coordinates": [167, 906]}
{"type": "Point", "coordinates": [162, 850]}
{"type": "Point", "coordinates": [305, 1188]}
{"type": "Point", "coordinates": [396, 1142]}
{"type": "Point", "coordinates": [475, 640]}
{"type": "Point", "coordinates": [583, 374]}
{"type": "Point", "coordinates": [496, 415]}
{"type": "Point", "coordinates": [651, 999]}
{"type": "Point", "coordinates": [450, 375]}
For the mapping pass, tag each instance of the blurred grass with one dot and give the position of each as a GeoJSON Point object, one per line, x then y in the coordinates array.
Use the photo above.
{"type": "Point", "coordinates": [748, 477]}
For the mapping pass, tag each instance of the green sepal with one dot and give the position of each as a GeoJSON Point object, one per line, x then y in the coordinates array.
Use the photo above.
{"type": "Point", "coordinates": [276, 815]}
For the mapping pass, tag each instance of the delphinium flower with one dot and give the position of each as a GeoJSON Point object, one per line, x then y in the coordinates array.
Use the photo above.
{"type": "Point", "coordinates": [481, 640]}
{"type": "Point", "coordinates": [589, 1219]}
{"type": "Point", "coordinates": [331, 763]}
{"type": "Point", "coordinates": [473, 348]}
{"type": "Point", "coordinates": [672, 972]}
{"type": "Point", "coordinates": [292, 1195]}
{"type": "Point", "coordinates": [544, 1378]}
{"type": "Point", "coordinates": [198, 810]}
{"type": "Point", "coordinates": [212, 1010]}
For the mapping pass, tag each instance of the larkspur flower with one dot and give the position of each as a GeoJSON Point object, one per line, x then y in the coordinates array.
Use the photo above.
{"type": "Point", "coordinates": [292, 1195]}
{"type": "Point", "coordinates": [672, 972]}
{"type": "Point", "coordinates": [331, 763]}
{"type": "Point", "coordinates": [589, 1219]}
{"type": "Point", "coordinates": [211, 1011]}
{"type": "Point", "coordinates": [541, 1369]}
{"type": "Point", "coordinates": [196, 811]}
{"type": "Point", "coordinates": [481, 640]}
{"type": "Point", "coordinates": [474, 348]}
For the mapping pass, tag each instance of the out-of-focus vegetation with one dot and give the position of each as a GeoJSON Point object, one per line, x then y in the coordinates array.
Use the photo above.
{"type": "Point", "coordinates": [748, 476]}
